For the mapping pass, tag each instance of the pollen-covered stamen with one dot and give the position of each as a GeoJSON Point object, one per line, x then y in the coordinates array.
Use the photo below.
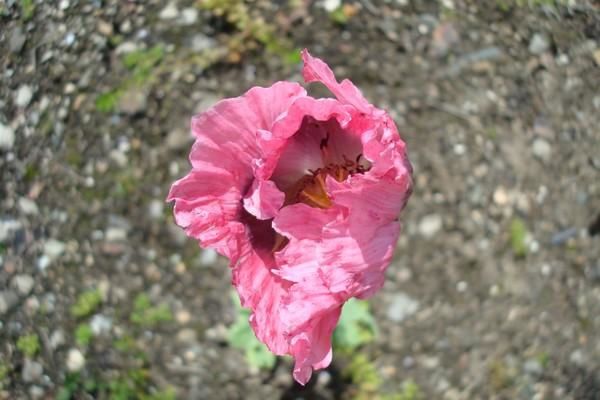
{"type": "Point", "coordinates": [311, 188]}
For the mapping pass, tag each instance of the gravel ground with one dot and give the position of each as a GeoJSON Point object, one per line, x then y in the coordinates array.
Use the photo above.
{"type": "Point", "coordinates": [495, 289]}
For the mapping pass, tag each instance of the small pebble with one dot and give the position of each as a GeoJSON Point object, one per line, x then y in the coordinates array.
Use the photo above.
{"type": "Point", "coordinates": [538, 44]}
{"type": "Point", "coordinates": [32, 371]}
{"type": "Point", "coordinates": [169, 12]}
{"type": "Point", "coordinates": [541, 149]}
{"type": "Point", "coordinates": [401, 306]}
{"type": "Point", "coordinates": [430, 225]}
{"type": "Point", "coordinates": [23, 284]}
{"type": "Point", "coordinates": [23, 96]}
{"type": "Point", "coordinates": [28, 206]}
{"type": "Point", "coordinates": [75, 360]}
{"type": "Point", "coordinates": [7, 137]}
{"type": "Point", "coordinates": [100, 324]}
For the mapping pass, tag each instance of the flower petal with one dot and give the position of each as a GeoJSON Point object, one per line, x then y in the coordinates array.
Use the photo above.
{"type": "Point", "coordinates": [301, 221]}
{"type": "Point", "coordinates": [264, 199]}
{"type": "Point", "coordinates": [207, 207]}
{"type": "Point", "coordinates": [315, 70]}
{"type": "Point", "coordinates": [311, 349]}
{"type": "Point", "coordinates": [306, 152]}
{"type": "Point", "coordinates": [230, 126]}
{"type": "Point", "coordinates": [263, 292]}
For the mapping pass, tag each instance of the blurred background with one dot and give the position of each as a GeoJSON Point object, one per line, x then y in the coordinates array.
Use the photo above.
{"type": "Point", "coordinates": [494, 292]}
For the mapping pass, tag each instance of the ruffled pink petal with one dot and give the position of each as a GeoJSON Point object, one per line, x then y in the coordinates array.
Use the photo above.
{"type": "Point", "coordinates": [206, 206]}
{"type": "Point", "coordinates": [311, 349]}
{"type": "Point", "coordinates": [383, 146]}
{"type": "Point", "coordinates": [371, 202]}
{"type": "Point", "coordinates": [315, 70]}
{"type": "Point", "coordinates": [264, 199]}
{"type": "Point", "coordinates": [263, 292]}
{"type": "Point", "coordinates": [356, 261]}
{"type": "Point", "coordinates": [300, 221]}
{"type": "Point", "coordinates": [325, 273]}
{"type": "Point", "coordinates": [226, 133]}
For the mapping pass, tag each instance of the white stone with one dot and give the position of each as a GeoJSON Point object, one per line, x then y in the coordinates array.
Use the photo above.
{"type": "Point", "coordinates": [100, 324]}
{"type": "Point", "coordinates": [189, 16]}
{"type": "Point", "coordinates": [538, 44]}
{"type": "Point", "coordinates": [115, 234]}
{"type": "Point", "coordinates": [541, 149]}
{"type": "Point", "coordinates": [23, 284]}
{"type": "Point", "coordinates": [23, 96]}
{"type": "Point", "coordinates": [57, 339]}
{"type": "Point", "coordinates": [331, 5]}
{"type": "Point", "coordinates": [401, 307]}
{"type": "Point", "coordinates": [28, 206]}
{"type": "Point", "coordinates": [32, 371]}
{"type": "Point", "coordinates": [430, 225]}
{"type": "Point", "coordinates": [208, 257]}
{"type": "Point", "coordinates": [7, 227]}
{"type": "Point", "coordinates": [500, 196]}
{"type": "Point", "coordinates": [7, 137]}
{"type": "Point", "coordinates": [169, 12]}
{"type": "Point", "coordinates": [155, 209]}
{"type": "Point", "coordinates": [75, 360]}
{"type": "Point", "coordinates": [53, 248]}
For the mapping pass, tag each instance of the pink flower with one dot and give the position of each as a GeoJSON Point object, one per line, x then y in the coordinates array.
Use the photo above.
{"type": "Point", "coordinates": [303, 196]}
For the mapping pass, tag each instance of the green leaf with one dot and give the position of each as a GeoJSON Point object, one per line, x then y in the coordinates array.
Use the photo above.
{"type": "Point", "coordinates": [356, 326]}
{"type": "Point", "coordinates": [241, 336]}
{"type": "Point", "coordinates": [29, 344]}
{"type": "Point", "coordinates": [144, 314]}
{"type": "Point", "coordinates": [338, 16]}
{"type": "Point", "coordinates": [83, 335]}
{"type": "Point", "coordinates": [86, 303]}
{"type": "Point", "coordinates": [518, 233]}
{"type": "Point", "coordinates": [108, 101]}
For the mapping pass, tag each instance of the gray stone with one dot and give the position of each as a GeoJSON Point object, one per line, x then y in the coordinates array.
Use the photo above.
{"type": "Point", "coordinates": [23, 284]}
{"type": "Point", "coordinates": [578, 358]}
{"type": "Point", "coordinates": [32, 371]}
{"type": "Point", "coordinates": [187, 335]}
{"type": "Point", "coordinates": [155, 209]}
{"type": "Point", "coordinates": [538, 44]}
{"type": "Point", "coordinates": [134, 101]}
{"type": "Point", "coordinates": [53, 249]}
{"type": "Point", "coordinates": [23, 96]}
{"type": "Point", "coordinates": [430, 225]}
{"type": "Point", "coordinates": [16, 40]}
{"type": "Point", "coordinates": [100, 324]}
{"type": "Point", "coordinates": [444, 37]}
{"type": "Point", "coordinates": [57, 339]}
{"type": "Point", "coordinates": [189, 16]}
{"type": "Point", "coordinates": [36, 392]}
{"type": "Point", "coordinates": [541, 149]}
{"type": "Point", "coordinates": [401, 307]}
{"type": "Point", "coordinates": [8, 299]}
{"type": "Point", "coordinates": [28, 206]}
{"type": "Point", "coordinates": [7, 137]}
{"type": "Point", "coordinates": [114, 234]}
{"type": "Point", "coordinates": [201, 42]}
{"type": "Point", "coordinates": [178, 139]}
{"type": "Point", "coordinates": [533, 367]}
{"type": "Point", "coordinates": [7, 227]}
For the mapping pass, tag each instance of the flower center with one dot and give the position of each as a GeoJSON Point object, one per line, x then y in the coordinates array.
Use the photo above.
{"type": "Point", "coordinates": [317, 150]}
{"type": "Point", "coordinates": [311, 188]}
